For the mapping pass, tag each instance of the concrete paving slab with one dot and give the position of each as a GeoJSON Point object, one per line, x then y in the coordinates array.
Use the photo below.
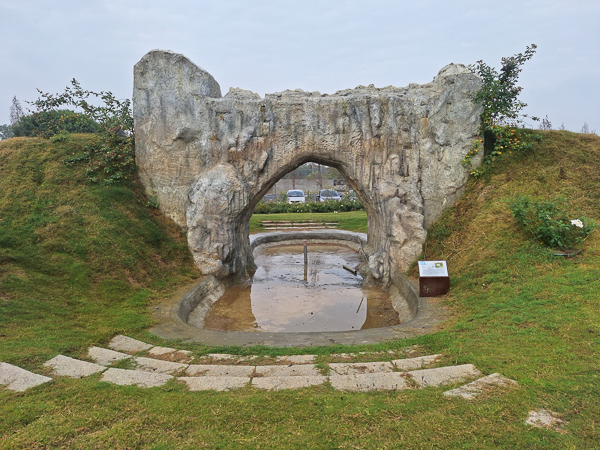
{"type": "Point", "coordinates": [307, 370]}
{"type": "Point", "coordinates": [359, 368]}
{"type": "Point", "coordinates": [171, 354]}
{"type": "Point", "coordinates": [415, 363]}
{"type": "Point", "coordinates": [158, 365]}
{"type": "Point", "coordinates": [105, 356]}
{"type": "Point", "coordinates": [218, 370]}
{"type": "Point", "coordinates": [278, 383]}
{"type": "Point", "coordinates": [443, 375]}
{"type": "Point", "coordinates": [221, 356]}
{"type": "Point", "coordinates": [140, 378]}
{"type": "Point", "coordinates": [127, 344]}
{"type": "Point", "coordinates": [296, 359]}
{"type": "Point", "coordinates": [542, 418]}
{"type": "Point", "coordinates": [471, 390]}
{"type": "Point", "coordinates": [214, 383]}
{"type": "Point", "coordinates": [390, 381]}
{"type": "Point", "coordinates": [17, 379]}
{"type": "Point", "coordinates": [158, 351]}
{"type": "Point", "coordinates": [72, 368]}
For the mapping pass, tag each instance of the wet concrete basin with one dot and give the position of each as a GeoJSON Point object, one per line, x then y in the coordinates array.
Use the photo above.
{"type": "Point", "coordinates": [284, 295]}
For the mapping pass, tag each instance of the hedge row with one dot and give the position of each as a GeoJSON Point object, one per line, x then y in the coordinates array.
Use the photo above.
{"type": "Point", "coordinates": [308, 207]}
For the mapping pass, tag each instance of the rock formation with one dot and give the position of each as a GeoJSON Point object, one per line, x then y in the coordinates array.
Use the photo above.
{"type": "Point", "coordinates": [210, 159]}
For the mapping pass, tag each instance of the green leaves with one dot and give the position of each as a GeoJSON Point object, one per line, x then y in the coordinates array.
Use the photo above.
{"type": "Point", "coordinates": [547, 222]}
{"type": "Point", "coordinates": [501, 109]}
{"type": "Point", "coordinates": [499, 91]}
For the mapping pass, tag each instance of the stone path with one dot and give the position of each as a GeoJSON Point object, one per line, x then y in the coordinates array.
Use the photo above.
{"type": "Point", "coordinates": [145, 366]}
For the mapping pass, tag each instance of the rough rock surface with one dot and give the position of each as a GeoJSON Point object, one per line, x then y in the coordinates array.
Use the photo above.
{"type": "Point", "coordinates": [209, 159]}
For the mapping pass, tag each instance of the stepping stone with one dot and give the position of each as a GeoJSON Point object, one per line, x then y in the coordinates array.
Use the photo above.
{"type": "Point", "coordinates": [127, 344]}
{"type": "Point", "coordinates": [19, 380]}
{"type": "Point", "coordinates": [443, 375]}
{"type": "Point", "coordinates": [105, 356]}
{"type": "Point", "coordinates": [306, 370]}
{"type": "Point", "coordinates": [391, 381]}
{"type": "Point", "coordinates": [343, 355]}
{"type": "Point", "coordinates": [221, 356]}
{"type": "Point", "coordinates": [171, 354]}
{"type": "Point", "coordinates": [218, 370]}
{"type": "Point", "coordinates": [158, 365]}
{"type": "Point", "coordinates": [72, 368]}
{"type": "Point", "coordinates": [161, 351]}
{"type": "Point", "coordinates": [359, 368]}
{"type": "Point", "coordinates": [473, 389]}
{"type": "Point", "coordinates": [297, 359]}
{"type": "Point", "coordinates": [415, 363]}
{"type": "Point", "coordinates": [542, 418]}
{"type": "Point", "coordinates": [278, 383]}
{"type": "Point", "coordinates": [124, 377]}
{"type": "Point", "coordinates": [214, 383]}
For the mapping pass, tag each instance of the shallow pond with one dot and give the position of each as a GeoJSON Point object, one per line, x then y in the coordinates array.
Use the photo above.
{"type": "Point", "coordinates": [286, 296]}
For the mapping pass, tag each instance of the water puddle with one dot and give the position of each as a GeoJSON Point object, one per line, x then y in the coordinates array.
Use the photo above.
{"type": "Point", "coordinates": [284, 297]}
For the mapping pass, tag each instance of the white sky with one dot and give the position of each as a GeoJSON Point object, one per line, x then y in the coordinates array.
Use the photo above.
{"type": "Point", "coordinates": [317, 45]}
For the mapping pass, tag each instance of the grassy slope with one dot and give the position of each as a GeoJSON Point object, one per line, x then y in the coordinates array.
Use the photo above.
{"type": "Point", "coordinates": [78, 264]}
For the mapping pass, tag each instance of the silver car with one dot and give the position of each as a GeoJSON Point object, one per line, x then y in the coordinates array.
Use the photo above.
{"type": "Point", "coordinates": [328, 194]}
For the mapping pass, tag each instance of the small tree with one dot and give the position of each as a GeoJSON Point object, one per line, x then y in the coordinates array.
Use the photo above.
{"type": "Point", "coordinates": [546, 124]}
{"type": "Point", "coordinates": [502, 110]}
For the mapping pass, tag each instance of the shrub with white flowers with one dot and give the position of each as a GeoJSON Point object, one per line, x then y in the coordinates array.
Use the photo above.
{"type": "Point", "coordinates": [547, 222]}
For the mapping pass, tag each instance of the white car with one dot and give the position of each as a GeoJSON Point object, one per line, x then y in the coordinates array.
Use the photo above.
{"type": "Point", "coordinates": [296, 196]}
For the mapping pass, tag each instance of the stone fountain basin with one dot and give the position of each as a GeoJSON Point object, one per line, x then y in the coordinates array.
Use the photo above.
{"type": "Point", "coordinates": [183, 316]}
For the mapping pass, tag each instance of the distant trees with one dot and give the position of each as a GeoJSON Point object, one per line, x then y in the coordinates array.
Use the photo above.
{"type": "Point", "coordinates": [5, 132]}
{"type": "Point", "coordinates": [16, 112]}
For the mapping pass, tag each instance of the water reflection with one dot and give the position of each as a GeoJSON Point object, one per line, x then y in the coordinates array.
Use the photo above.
{"type": "Point", "coordinates": [284, 296]}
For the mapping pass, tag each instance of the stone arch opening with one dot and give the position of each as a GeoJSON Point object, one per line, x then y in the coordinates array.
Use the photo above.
{"type": "Point", "coordinates": [245, 215]}
{"type": "Point", "coordinates": [209, 159]}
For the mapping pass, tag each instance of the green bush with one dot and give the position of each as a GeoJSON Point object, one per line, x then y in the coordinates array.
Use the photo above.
{"type": "Point", "coordinates": [50, 123]}
{"type": "Point", "coordinates": [547, 222]}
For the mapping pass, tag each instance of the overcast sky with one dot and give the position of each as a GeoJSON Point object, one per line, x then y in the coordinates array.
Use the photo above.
{"type": "Point", "coordinates": [318, 45]}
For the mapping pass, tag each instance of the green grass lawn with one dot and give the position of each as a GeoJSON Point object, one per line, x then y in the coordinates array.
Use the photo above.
{"type": "Point", "coordinates": [81, 263]}
{"type": "Point", "coordinates": [352, 220]}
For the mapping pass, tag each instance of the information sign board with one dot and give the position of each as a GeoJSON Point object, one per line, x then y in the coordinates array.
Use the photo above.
{"type": "Point", "coordinates": [433, 269]}
{"type": "Point", "coordinates": [433, 278]}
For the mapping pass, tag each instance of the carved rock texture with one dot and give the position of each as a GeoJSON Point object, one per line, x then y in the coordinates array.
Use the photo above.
{"type": "Point", "coordinates": [209, 159]}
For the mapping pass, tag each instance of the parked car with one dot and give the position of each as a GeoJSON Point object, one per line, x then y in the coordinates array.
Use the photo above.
{"type": "Point", "coordinates": [328, 194]}
{"type": "Point", "coordinates": [296, 196]}
{"type": "Point", "coordinates": [351, 195]}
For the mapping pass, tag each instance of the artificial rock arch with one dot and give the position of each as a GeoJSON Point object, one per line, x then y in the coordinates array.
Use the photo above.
{"type": "Point", "coordinates": [209, 159]}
